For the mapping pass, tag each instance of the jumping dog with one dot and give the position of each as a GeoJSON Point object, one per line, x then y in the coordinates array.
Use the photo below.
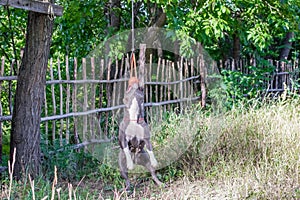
{"type": "Point", "coordinates": [134, 135]}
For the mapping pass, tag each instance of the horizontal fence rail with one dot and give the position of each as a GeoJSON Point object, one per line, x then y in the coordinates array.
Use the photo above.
{"type": "Point", "coordinates": [84, 99]}
{"type": "Point", "coordinates": [282, 74]}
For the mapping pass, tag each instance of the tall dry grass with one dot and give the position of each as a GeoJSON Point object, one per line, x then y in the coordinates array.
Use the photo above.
{"type": "Point", "coordinates": [249, 152]}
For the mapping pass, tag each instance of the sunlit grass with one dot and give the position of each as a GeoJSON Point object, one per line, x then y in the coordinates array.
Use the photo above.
{"type": "Point", "coordinates": [248, 152]}
{"type": "Point", "coordinates": [256, 155]}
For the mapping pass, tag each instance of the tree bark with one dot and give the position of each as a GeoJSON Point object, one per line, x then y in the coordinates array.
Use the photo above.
{"type": "Point", "coordinates": [115, 10]}
{"type": "Point", "coordinates": [284, 54]}
{"type": "Point", "coordinates": [152, 37]}
{"type": "Point", "coordinates": [25, 133]}
{"type": "Point", "coordinates": [236, 47]}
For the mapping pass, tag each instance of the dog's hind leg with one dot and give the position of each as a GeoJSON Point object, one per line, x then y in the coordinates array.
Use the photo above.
{"type": "Point", "coordinates": [143, 159]}
{"type": "Point", "coordinates": [148, 144]}
{"type": "Point", "coordinates": [124, 146]}
{"type": "Point", "coordinates": [124, 169]}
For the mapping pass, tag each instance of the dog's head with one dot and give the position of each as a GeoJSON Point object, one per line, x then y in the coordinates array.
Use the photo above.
{"type": "Point", "coordinates": [133, 82]}
{"type": "Point", "coordinates": [133, 85]}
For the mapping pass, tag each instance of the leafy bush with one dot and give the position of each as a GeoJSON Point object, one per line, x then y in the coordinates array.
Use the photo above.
{"type": "Point", "coordinates": [239, 85]}
{"type": "Point", "coordinates": [247, 152]}
{"type": "Point", "coordinates": [72, 164]}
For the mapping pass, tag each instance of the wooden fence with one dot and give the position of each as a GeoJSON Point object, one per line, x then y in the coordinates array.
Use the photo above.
{"type": "Point", "coordinates": [84, 98]}
{"type": "Point", "coordinates": [282, 74]}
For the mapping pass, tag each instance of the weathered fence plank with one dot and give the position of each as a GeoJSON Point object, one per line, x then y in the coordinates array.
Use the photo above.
{"type": "Point", "coordinates": [161, 108]}
{"type": "Point", "coordinates": [101, 91]}
{"type": "Point", "coordinates": [53, 100]}
{"type": "Point", "coordinates": [46, 114]}
{"type": "Point", "coordinates": [35, 6]}
{"type": "Point", "coordinates": [114, 98]}
{"type": "Point", "coordinates": [93, 100]}
{"type": "Point", "coordinates": [202, 81]}
{"type": "Point", "coordinates": [61, 104]}
{"type": "Point", "coordinates": [74, 105]}
{"type": "Point", "coordinates": [157, 110]}
{"type": "Point", "coordinates": [142, 65]}
{"type": "Point", "coordinates": [180, 67]}
{"type": "Point", "coordinates": [101, 76]}
{"type": "Point", "coordinates": [67, 102]}
{"type": "Point", "coordinates": [1, 110]}
{"type": "Point", "coordinates": [150, 88]}
{"type": "Point", "coordinates": [85, 101]}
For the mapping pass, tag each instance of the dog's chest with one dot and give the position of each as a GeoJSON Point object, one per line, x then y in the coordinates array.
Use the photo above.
{"type": "Point", "coordinates": [133, 128]}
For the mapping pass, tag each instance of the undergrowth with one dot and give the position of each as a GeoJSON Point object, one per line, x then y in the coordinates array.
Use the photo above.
{"type": "Point", "coordinates": [249, 152]}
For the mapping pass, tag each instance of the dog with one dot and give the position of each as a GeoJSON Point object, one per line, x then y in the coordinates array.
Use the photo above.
{"type": "Point", "coordinates": [134, 135]}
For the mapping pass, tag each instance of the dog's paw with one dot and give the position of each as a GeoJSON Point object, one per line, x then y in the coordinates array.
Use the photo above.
{"type": "Point", "coordinates": [153, 160]}
{"type": "Point", "coordinates": [161, 184]}
{"type": "Point", "coordinates": [129, 161]}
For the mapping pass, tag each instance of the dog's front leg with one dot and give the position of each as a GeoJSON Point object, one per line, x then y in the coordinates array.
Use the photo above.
{"type": "Point", "coordinates": [149, 150]}
{"type": "Point", "coordinates": [124, 146]}
{"type": "Point", "coordinates": [128, 158]}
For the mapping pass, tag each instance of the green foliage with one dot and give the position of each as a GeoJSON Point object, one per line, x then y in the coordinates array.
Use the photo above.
{"type": "Point", "coordinates": [110, 177]}
{"type": "Point", "coordinates": [235, 154]}
{"type": "Point", "coordinates": [239, 85]}
{"type": "Point", "coordinates": [295, 80]}
{"type": "Point", "coordinates": [170, 173]}
{"type": "Point", "coordinates": [12, 32]}
{"type": "Point", "coordinates": [259, 25]}
{"type": "Point", "coordinates": [80, 29]}
{"type": "Point", "coordinates": [72, 165]}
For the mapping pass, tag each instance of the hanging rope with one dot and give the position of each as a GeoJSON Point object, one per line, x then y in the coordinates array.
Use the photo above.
{"type": "Point", "coordinates": [133, 66]}
{"type": "Point", "coordinates": [132, 26]}
{"type": "Point", "coordinates": [132, 57]}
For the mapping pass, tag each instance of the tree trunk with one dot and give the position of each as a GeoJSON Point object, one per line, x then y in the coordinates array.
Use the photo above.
{"type": "Point", "coordinates": [115, 10]}
{"type": "Point", "coordinates": [152, 37]}
{"type": "Point", "coordinates": [284, 54]}
{"type": "Point", "coordinates": [136, 8]}
{"type": "Point", "coordinates": [236, 47]}
{"type": "Point", "coordinates": [25, 133]}
{"type": "Point", "coordinates": [113, 16]}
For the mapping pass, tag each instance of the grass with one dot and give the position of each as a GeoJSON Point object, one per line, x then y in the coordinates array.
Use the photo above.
{"type": "Point", "coordinates": [249, 152]}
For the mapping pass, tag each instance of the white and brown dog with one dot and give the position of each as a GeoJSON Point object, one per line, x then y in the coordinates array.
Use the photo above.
{"type": "Point", "coordinates": [134, 134]}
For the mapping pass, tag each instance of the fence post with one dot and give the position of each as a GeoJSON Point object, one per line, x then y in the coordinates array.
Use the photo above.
{"type": "Point", "coordinates": [142, 65]}
{"type": "Point", "coordinates": [85, 102]}
{"type": "Point", "coordinates": [181, 84]}
{"type": "Point", "coordinates": [141, 76]}
{"type": "Point", "coordinates": [53, 100]}
{"type": "Point", "coordinates": [202, 80]}
{"type": "Point", "coordinates": [74, 101]}
{"type": "Point", "coordinates": [68, 102]}
{"type": "Point", "coordinates": [1, 74]}
{"type": "Point", "coordinates": [60, 104]}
